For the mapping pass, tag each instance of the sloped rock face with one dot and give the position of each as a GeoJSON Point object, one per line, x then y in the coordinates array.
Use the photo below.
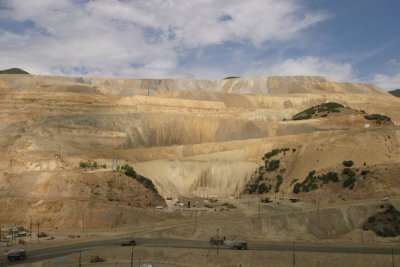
{"type": "Point", "coordinates": [189, 137]}
{"type": "Point", "coordinates": [385, 224]}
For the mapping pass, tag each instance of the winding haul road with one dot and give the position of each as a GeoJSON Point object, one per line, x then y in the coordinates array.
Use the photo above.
{"type": "Point", "coordinates": [59, 251]}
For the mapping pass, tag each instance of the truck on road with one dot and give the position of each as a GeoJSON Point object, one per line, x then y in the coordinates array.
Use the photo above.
{"type": "Point", "coordinates": [217, 240]}
{"type": "Point", "coordinates": [15, 254]}
{"type": "Point", "coordinates": [236, 244]}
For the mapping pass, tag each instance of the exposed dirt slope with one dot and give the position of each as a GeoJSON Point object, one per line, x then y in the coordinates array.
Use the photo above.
{"type": "Point", "coordinates": [189, 137]}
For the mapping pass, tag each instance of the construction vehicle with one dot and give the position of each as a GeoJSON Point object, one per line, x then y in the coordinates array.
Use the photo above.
{"type": "Point", "coordinates": [15, 254]}
{"type": "Point", "coordinates": [235, 244]}
{"type": "Point", "coordinates": [128, 241]}
{"type": "Point", "coordinates": [217, 240]}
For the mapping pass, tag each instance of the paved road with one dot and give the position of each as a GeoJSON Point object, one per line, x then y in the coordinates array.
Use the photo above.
{"type": "Point", "coordinates": [58, 251]}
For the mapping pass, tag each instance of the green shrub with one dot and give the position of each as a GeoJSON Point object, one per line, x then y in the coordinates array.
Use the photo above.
{"type": "Point", "coordinates": [83, 164]}
{"type": "Point", "coordinates": [329, 177]}
{"type": "Point", "coordinates": [92, 165]}
{"type": "Point", "coordinates": [349, 182]}
{"type": "Point", "coordinates": [348, 163]}
{"type": "Point", "coordinates": [272, 153]}
{"type": "Point", "coordinates": [310, 112]}
{"type": "Point", "coordinates": [129, 171]}
{"type": "Point", "coordinates": [273, 165]}
{"type": "Point", "coordinates": [253, 188]}
{"type": "Point", "coordinates": [377, 117]}
{"type": "Point", "coordinates": [349, 172]}
{"type": "Point", "coordinates": [275, 152]}
{"type": "Point", "coordinates": [262, 188]}
{"type": "Point", "coordinates": [279, 180]}
{"type": "Point", "coordinates": [297, 188]}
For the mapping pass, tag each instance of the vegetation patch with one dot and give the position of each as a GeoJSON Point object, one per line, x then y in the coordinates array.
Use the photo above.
{"type": "Point", "coordinates": [318, 111]}
{"type": "Point", "coordinates": [350, 178]}
{"type": "Point", "coordinates": [312, 181]}
{"type": "Point", "coordinates": [129, 171]}
{"type": "Point", "coordinates": [261, 184]}
{"type": "Point", "coordinates": [279, 180]}
{"type": "Point", "coordinates": [275, 152]}
{"type": "Point", "coordinates": [273, 165]}
{"type": "Point", "coordinates": [91, 165]}
{"type": "Point", "coordinates": [378, 118]}
{"type": "Point", "coordinates": [307, 185]}
{"type": "Point", "coordinates": [395, 92]}
{"type": "Point", "coordinates": [263, 188]}
{"type": "Point", "coordinates": [232, 77]}
{"type": "Point", "coordinates": [13, 71]}
{"type": "Point", "coordinates": [385, 224]}
{"type": "Point", "coordinates": [348, 163]}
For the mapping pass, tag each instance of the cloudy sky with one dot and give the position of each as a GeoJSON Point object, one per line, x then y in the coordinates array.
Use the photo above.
{"type": "Point", "coordinates": [357, 40]}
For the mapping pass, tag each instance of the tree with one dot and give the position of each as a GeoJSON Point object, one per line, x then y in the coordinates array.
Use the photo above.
{"type": "Point", "coordinates": [348, 163]}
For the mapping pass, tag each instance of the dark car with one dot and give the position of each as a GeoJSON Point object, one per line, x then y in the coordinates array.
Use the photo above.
{"type": "Point", "coordinates": [15, 254]}
{"type": "Point", "coordinates": [128, 242]}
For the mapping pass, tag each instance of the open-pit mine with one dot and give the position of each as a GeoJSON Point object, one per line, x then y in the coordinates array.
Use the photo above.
{"type": "Point", "coordinates": [278, 162]}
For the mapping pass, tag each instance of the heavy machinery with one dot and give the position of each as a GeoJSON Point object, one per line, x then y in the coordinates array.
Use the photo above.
{"type": "Point", "coordinates": [128, 241]}
{"type": "Point", "coordinates": [217, 240]}
{"type": "Point", "coordinates": [233, 244]}
{"type": "Point", "coordinates": [236, 244]}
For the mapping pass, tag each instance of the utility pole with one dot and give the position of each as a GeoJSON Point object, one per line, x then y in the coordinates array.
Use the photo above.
{"type": "Point", "coordinates": [217, 241]}
{"type": "Point", "coordinates": [30, 229]}
{"type": "Point", "coordinates": [392, 257]}
{"type": "Point", "coordinates": [80, 259]}
{"type": "Point", "coordinates": [38, 233]}
{"type": "Point", "coordinates": [259, 208]}
{"type": "Point", "coordinates": [83, 223]}
{"type": "Point", "coordinates": [362, 237]}
{"type": "Point", "coordinates": [294, 255]}
{"type": "Point", "coordinates": [195, 223]}
{"type": "Point", "coordinates": [132, 257]}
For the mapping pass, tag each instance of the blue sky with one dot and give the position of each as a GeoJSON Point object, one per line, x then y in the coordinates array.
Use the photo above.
{"type": "Point", "coordinates": [344, 40]}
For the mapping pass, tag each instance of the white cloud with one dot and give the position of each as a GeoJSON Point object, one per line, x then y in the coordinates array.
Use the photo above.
{"type": "Point", "coordinates": [311, 66]}
{"type": "Point", "coordinates": [114, 38]}
{"type": "Point", "coordinates": [388, 82]}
